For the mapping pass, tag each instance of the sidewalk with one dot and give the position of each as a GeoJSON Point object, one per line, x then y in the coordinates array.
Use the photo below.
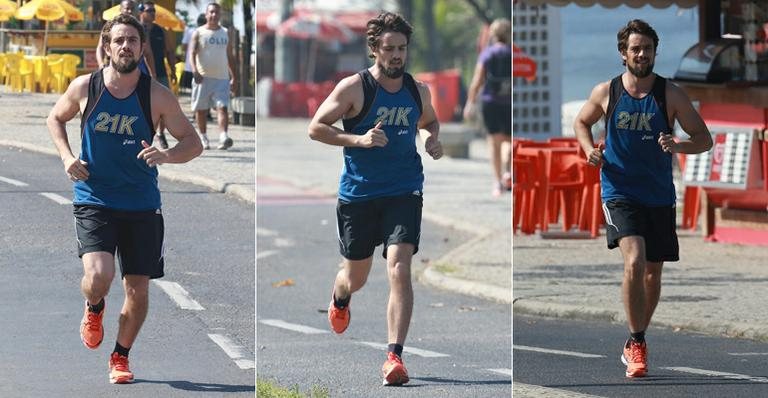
{"type": "Point", "coordinates": [715, 288]}
{"type": "Point", "coordinates": [457, 191]}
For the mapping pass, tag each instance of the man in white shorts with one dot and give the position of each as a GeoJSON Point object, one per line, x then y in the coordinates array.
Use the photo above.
{"type": "Point", "coordinates": [212, 74]}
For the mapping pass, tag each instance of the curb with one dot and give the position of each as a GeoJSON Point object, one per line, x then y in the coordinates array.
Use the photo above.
{"type": "Point", "coordinates": [235, 190]}
{"type": "Point", "coordinates": [585, 313]}
{"type": "Point", "coordinates": [470, 288]}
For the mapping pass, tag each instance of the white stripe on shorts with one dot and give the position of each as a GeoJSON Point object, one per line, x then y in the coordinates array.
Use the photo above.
{"type": "Point", "coordinates": [608, 219]}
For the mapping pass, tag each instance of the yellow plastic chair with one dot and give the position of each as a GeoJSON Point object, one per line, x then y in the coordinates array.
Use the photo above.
{"type": "Point", "coordinates": [42, 74]}
{"type": "Point", "coordinates": [11, 63]}
{"type": "Point", "coordinates": [70, 66]}
{"type": "Point", "coordinates": [56, 81]}
{"type": "Point", "coordinates": [52, 57]}
{"type": "Point", "coordinates": [24, 78]}
{"type": "Point", "coordinates": [2, 67]}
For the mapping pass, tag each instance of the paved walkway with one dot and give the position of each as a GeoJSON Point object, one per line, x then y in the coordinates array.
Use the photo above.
{"type": "Point", "coordinates": [715, 288]}
{"type": "Point", "coordinates": [457, 191]}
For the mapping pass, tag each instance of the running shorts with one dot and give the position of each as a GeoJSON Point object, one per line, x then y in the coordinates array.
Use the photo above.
{"type": "Point", "coordinates": [136, 236]}
{"type": "Point", "coordinates": [366, 224]}
{"type": "Point", "coordinates": [497, 118]}
{"type": "Point", "coordinates": [655, 224]}
{"type": "Point", "coordinates": [210, 93]}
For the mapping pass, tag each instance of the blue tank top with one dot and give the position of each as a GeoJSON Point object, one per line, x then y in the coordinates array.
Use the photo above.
{"type": "Point", "coordinates": [394, 169]}
{"type": "Point", "coordinates": [112, 130]}
{"type": "Point", "coordinates": [635, 167]}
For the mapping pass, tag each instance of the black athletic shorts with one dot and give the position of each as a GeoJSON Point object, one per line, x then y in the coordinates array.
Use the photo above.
{"type": "Point", "coordinates": [390, 220]}
{"type": "Point", "coordinates": [655, 224]}
{"type": "Point", "coordinates": [497, 118]}
{"type": "Point", "coordinates": [137, 236]}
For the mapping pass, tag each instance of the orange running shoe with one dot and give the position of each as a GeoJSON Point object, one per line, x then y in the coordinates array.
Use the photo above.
{"type": "Point", "coordinates": [118, 369]}
{"type": "Point", "coordinates": [91, 329]}
{"type": "Point", "coordinates": [394, 371]}
{"type": "Point", "coordinates": [338, 318]}
{"type": "Point", "coordinates": [634, 356]}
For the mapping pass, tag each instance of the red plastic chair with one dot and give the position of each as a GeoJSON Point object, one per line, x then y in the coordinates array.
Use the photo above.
{"type": "Point", "coordinates": [565, 188]}
{"type": "Point", "coordinates": [524, 187]}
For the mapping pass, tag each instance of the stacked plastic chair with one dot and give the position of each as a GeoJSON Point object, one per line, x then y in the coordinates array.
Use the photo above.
{"type": "Point", "coordinates": [71, 61]}
{"type": "Point", "coordinates": [57, 81]}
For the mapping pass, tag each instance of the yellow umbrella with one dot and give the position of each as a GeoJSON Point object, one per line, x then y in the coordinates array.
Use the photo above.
{"type": "Point", "coordinates": [163, 17]}
{"type": "Point", "coordinates": [49, 10]}
{"type": "Point", "coordinates": [7, 9]}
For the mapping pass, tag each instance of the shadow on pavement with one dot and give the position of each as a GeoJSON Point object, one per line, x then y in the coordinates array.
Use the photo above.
{"type": "Point", "coordinates": [201, 387]}
{"type": "Point", "coordinates": [460, 382]}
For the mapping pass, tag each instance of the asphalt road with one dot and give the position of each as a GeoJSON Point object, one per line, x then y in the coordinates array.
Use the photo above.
{"type": "Point", "coordinates": [457, 346]}
{"type": "Point", "coordinates": [180, 352]}
{"type": "Point", "coordinates": [583, 357]}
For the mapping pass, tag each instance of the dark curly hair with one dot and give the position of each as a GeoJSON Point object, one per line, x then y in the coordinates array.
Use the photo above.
{"type": "Point", "coordinates": [636, 26]}
{"type": "Point", "coordinates": [386, 22]}
{"type": "Point", "coordinates": [125, 19]}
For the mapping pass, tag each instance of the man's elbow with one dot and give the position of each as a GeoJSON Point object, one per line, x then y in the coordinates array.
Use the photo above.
{"type": "Point", "coordinates": [313, 131]}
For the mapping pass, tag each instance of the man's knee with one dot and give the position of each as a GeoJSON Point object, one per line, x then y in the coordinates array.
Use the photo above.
{"type": "Point", "coordinates": [98, 271]}
{"type": "Point", "coordinates": [399, 270]}
{"type": "Point", "coordinates": [137, 288]}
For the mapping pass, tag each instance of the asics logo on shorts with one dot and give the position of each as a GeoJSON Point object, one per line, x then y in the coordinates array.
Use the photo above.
{"type": "Point", "coordinates": [115, 124]}
{"type": "Point", "coordinates": [395, 116]}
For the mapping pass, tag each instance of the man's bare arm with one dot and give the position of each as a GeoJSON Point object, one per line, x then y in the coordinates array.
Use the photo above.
{"type": "Point", "coordinates": [166, 106]}
{"type": "Point", "coordinates": [338, 103]}
{"type": "Point", "coordinates": [100, 55]}
{"type": "Point", "coordinates": [65, 109]}
{"type": "Point", "coordinates": [690, 121]}
{"type": "Point", "coordinates": [429, 126]}
{"type": "Point", "coordinates": [590, 114]}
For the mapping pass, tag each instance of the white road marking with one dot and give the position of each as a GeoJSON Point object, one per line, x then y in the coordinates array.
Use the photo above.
{"type": "Point", "coordinates": [234, 351]}
{"type": "Point", "coordinates": [179, 295]}
{"type": "Point", "coordinates": [266, 253]}
{"type": "Point", "coordinates": [265, 232]}
{"type": "Point", "coordinates": [748, 354]}
{"type": "Point", "coordinates": [705, 372]}
{"type": "Point", "coordinates": [410, 350]}
{"type": "Point", "coordinates": [56, 198]}
{"type": "Point", "coordinates": [557, 352]}
{"type": "Point", "coordinates": [245, 363]}
{"type": "Point", "coordinates": [505, 372]}
{"type": "Point", "coordinates": [14, 182]}
{"type": "Point", "coordinates": [529, 390]}
{"type": "Point", "coordinates": [282, 242]}
{"type": "Point", "coordinates": [292, 326]}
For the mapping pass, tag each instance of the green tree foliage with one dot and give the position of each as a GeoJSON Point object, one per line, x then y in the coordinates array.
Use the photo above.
{"type": "Point", "coordinates": [458, 26]}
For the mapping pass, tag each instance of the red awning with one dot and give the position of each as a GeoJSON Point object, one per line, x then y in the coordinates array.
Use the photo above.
{"type": "Point", "coordinates": [266, 21]}
{"type": "Point", "coordinates": [616, 3]}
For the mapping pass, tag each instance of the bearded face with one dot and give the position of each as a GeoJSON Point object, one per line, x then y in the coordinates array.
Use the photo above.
{"type": "Point", "coordinates": [640, 55]}
{"type": "Point", "coordinates": [391, 54]}
{"type": "Point", "coordinates": [125, 65]}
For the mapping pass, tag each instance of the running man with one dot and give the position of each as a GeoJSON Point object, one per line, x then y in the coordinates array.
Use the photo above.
{"type": "Point", "coordinates": [117, 201]}
{"type": "Point", "coordinates": [638, 194]}
{"type": "Point", "coordinates": [380, 194]}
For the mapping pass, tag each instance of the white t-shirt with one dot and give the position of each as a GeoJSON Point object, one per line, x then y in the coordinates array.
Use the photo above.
{"type": "Point", "coordinates": [184, 42]}
{"type": "Point", "coordinates": [212, 60]}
